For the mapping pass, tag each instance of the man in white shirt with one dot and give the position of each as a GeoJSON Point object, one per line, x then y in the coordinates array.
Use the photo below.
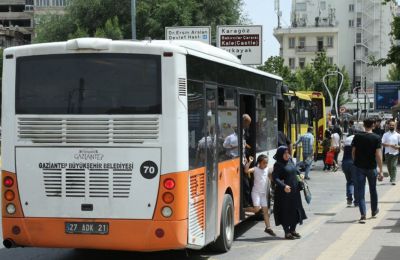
{"type": "Point", "coordinates": [391, 142]}
{"type": "Point", "coordinates": [231, 144]}
{"type": "Point", "coordinates": [336, 145]}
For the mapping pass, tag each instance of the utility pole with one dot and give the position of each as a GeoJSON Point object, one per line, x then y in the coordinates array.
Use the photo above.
{"type": "Point", "coordinates": [358, 109]}
{"type": "Point", "coordinates": [365, 97]}
{"type": "Point", "coordinates": [133, 18]}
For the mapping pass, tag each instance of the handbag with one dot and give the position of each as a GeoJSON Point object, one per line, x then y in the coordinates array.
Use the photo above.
{"type": "Point", "coordinates": [307, 192]}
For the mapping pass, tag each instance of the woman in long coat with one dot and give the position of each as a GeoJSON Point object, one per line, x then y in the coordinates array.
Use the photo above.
{"type": "Point", "coordinates": [288, 208]}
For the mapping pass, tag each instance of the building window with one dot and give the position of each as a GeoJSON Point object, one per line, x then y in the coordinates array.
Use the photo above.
{"type": "Point", "coordinates": [351, 23]}
{"type": "Point", "coordinates": [292, 63]}
{"type": "Point", "coordinates": [301, 6]}
{"type": "Point", "coordinates": [42, 2]}
{"type": "Point", "coordinates": [323, 6]}
{"type": "Point", "coordinates": [351, 7]}
{"type": "Point", "coordinates": [358, 21]}
{"type": "Point", "coordinates": [302, 63]}
{"type": "Point", "coordinates": [330, 60]}
{"type": "Point", "coordinates": [302, 42]}
{"type": "Point", "coordinates": [320, 43]}
{"type": "Point", "coordinates": [358, 38]}
{"type": "Point", "coordinates": [330, 41]}
{"type": "Point", "coordinates": [292, 43]}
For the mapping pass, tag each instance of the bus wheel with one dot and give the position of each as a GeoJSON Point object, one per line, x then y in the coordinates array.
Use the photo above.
{"type": "Point", "coordinates": [227, 226]}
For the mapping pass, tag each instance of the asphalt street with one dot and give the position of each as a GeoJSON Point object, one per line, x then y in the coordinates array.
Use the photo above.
{"type": "Point", "coordinates": [330, 232]}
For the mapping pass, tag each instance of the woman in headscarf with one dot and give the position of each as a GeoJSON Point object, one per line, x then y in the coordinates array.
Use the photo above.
{"type": "Point", "coordinates": [288, 208]}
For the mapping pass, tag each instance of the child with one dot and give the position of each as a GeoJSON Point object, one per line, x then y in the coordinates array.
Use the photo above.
{"type": "Point", "coordinates": [259, 193]}
{"type": "Point", "coordinates": [330, 159]}
{"type": "Point", "coordinates": [326, 146]}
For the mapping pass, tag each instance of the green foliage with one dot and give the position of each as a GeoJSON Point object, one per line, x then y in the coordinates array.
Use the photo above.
{"type": "Point", "coordinates": [275, 65]}
{"type": "Point", "coordinates": [111, 30]}
{"type": "Point", "coordinates": [310, 77]}
{"type": "Point", "coordinates": [112, 19]}
{"type": "Point", "coordinates": [55, 27]}
{"type": "Point", "coordinates": [394, 73]}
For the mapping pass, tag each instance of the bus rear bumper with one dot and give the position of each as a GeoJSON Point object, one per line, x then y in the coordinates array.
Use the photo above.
{"type": "Point", "coordinates": [127, 235]}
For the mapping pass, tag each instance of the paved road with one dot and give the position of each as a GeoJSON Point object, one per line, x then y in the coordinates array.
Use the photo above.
{"type": "Point", "coordinates": [331, 232]}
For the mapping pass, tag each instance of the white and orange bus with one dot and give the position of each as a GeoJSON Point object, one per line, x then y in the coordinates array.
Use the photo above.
{"type": "Point", "coordinates": [128, 145]}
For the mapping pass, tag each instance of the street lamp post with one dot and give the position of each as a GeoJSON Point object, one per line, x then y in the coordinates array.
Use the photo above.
{"type": "Point", "coordinates": [133, 18]}
{"type": "Point", "coordinates": [333, 73]}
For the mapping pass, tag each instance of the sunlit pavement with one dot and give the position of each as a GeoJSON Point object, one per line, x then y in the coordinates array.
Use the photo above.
{"type": "Point", "coordinates": [330, 232]}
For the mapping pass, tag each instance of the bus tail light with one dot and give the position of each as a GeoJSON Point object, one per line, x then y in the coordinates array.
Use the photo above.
{"type": "Point", "coordinates": [169, 184]}
{"type": "Point", "coordinates": [11, 209]}
{"type": "Point", "coordinates": [166, 212]}
{"type": "Point", "coordinates": [8, 182]}
{"type": "Point", "coordinates": [9, 195]}
{"type": "Point", "coordinates": [168, 197]}
{"type": "Point", "coordinates": [10, 200]}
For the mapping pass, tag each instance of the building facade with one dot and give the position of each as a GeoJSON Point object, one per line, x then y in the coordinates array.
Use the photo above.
{"type": "Point", "coordinates": [16, 23]}
{"type": "Point", "coordinates": [18, 19]}
{"type": "Point", "coordinates": [350, 31]}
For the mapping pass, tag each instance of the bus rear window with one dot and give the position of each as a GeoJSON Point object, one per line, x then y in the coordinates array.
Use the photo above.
{"type": "Point", "coordinates": [89, 84]}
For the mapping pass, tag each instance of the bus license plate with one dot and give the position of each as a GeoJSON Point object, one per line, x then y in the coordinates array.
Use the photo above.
{"type": "Point", "coordinates": [86, 228]}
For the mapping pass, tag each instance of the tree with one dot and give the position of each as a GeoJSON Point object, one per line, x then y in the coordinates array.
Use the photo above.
{"type": "Point", "coordinates": [111, 30]}
{"type": "Point", "coordinates": [275, 65]}
{"type": "Point", "coordinates": [112, 19]}
{"type": "Point", "coordinates": [310, 77]}
{"type": "Point", "coordinates": [394, 73]}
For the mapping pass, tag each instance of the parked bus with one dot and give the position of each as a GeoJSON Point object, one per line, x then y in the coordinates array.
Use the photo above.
{"type": "Point", "coordinates": [295, 117]}
{"type": "Point", "coordinates": [120, 145]}
{"type": "Point", "coordinates": [319, 119]}
{"type": "Point", "coordinates": [301, 110]}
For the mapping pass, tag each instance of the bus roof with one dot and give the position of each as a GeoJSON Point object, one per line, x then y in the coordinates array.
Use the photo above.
{"type": "Point", "coordinates": [313, 94]}
{"type": "Point", "coordinates": [300, 95]}
{"type": "Point", "coordinates": [194, 48]}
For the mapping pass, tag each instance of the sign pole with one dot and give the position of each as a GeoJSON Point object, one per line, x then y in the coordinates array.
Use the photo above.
{"type": "Point", "coordinates": [365, 97]}
{"type": "Point", "coordinates": [133, 18]}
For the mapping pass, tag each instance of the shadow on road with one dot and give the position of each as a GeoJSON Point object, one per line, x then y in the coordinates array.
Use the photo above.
{"type": "Point", "coordinates": [393, 229]}
{"type": "Point", "coordinates": [85, 254]}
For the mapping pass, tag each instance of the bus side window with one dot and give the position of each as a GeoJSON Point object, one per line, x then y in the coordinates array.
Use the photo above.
{"type": "Point", "coordinates": [228, 124]}
{"type": "Point", "coordinates": [272, 122]}
{"type": "Point", "coordinates": [262, 124]}
{"type": "Point", "coordinates": [197, 141]}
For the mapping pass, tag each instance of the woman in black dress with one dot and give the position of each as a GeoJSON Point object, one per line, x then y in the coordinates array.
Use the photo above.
{"type": "Point", "coordinates": [288, 208]}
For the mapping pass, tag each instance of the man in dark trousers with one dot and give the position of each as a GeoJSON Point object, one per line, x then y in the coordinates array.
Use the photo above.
{"type": "Point", "coordinates": [367, 155]}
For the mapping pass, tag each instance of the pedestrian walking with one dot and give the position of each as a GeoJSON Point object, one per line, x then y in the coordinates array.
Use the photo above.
{"type": "Point", "coordinates": [347, 167]}
{"type": "Point", "coordinates": [352, 127]}
{"type": "Point", "coordinates": [246, 123]}
{"type": "Point", "coordinates": [260, 191]}
{"type": "Point", "coordinates": [378, 128]}
{"type": "Point", "coordinates": [391, 142]}
{"type": "Point", "coordinates": [288, 207]}
{"type": "Point", "coordinates": [367, 156]}
{"type": "Point", "coordinates": [307, 143]}
{"type": "Point", "coordinates": [336, 146]}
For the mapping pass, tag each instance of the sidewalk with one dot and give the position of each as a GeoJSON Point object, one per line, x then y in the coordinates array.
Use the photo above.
{"type": "Point", "coordinates": [332, 230]}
